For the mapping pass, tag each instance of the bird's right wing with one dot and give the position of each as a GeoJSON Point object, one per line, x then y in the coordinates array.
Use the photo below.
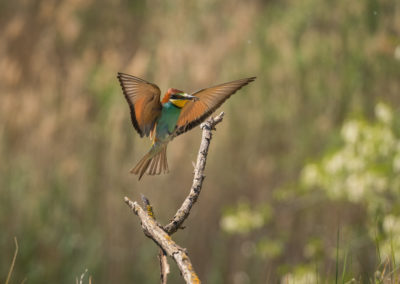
{"type": "Point", "coordinates": [144, 101]}
{"type": "Point", "coordinates": [195, 112]}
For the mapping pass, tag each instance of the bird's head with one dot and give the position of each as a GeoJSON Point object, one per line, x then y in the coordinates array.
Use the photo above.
{"type": "Point", "coordinates": [178, 98]}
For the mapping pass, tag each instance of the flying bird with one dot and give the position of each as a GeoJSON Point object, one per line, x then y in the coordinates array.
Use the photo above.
{"type": "Point", "coordinates": [175, 114]}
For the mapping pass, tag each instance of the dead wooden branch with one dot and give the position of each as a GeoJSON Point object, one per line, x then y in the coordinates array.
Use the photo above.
{"type": "Point", "coordinates": [164, 241]}
{"type": "Point", "coordinates": [184, 211]}
{"type": "Point", "coordinates": [161, 235]}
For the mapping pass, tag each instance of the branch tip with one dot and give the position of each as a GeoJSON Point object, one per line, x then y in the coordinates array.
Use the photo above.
{"type": "Point", "coordinates": [145, 200]}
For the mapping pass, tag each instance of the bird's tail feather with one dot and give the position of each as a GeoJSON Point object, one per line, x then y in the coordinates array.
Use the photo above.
{"type": "Point", "coordinates": [153, 163]}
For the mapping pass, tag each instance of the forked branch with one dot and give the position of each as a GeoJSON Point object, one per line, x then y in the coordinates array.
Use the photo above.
{"type": "Point", "coordinates": [161, 235]}
{"type": "Point", "coordinates": [164, 241]}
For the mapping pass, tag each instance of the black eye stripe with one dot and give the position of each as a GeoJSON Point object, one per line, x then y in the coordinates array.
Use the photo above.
{"type": "Point", "coordinates": [176, 96]}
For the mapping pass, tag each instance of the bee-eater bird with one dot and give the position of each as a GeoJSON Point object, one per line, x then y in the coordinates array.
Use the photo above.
{"type": "Point", "coordinates": [177, 113]}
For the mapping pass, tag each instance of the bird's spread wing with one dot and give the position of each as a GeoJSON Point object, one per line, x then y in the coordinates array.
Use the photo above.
{"type": "Point", "coordinates": [195, 112]}
{"type": "Point", "coordinates": [144, 101]}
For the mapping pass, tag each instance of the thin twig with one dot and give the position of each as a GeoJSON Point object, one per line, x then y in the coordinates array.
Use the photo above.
{"type": "Point", "coordinates": [164, 241]}
{"type": "Point", "coordinates": [164, 266]}
{"type": "Point", "coordinates": [162, 257]}
{"type": "Point", "coordinates": [13, 261]}
{"type": "Point", "coordinates": [184, 211]}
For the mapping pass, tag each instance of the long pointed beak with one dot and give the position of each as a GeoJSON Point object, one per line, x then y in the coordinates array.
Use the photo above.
{"type": "Point", "coordinates": [189, 97]}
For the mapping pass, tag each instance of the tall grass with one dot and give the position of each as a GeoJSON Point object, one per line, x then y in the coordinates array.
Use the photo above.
{"type": "Point", "coordinates": [13, 262]}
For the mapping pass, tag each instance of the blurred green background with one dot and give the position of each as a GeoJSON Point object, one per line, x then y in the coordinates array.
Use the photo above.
{"type": "Point", "coordinates": [303, 176]}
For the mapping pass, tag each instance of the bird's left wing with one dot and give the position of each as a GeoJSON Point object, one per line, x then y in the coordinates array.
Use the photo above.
{"type": "Point", "coordinates": [144, 101]}
{"type": "Point", "coordinates": [195, 112]}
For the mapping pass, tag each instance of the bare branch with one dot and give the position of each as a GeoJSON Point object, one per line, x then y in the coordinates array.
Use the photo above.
{"type": "Point", "coordinates": [164, 241]}
{"type": "Point", "coordinates": [161, 235]}
{"type": "Point", "coordinates": [184, 211]}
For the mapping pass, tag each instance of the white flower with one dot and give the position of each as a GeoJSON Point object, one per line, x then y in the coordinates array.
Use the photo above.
{"type": "Point", "coordinates": [391, 224]}
{"type": "Point", "coordinates": [383, 113]}
{"type": "Point", "coordinates": [300, 277]}
{"type": "Point", "coordinates": [229, 224]}
{"type": "Point", "coordinates": [397, 52]}
{"type": "Point", "coordinates": [355, 187]}
{"type": "Point", "coordinates": [350, 132]}
{"type": "Point", "coordinates": [310, 175]}
{"type": "Point", "coordinates": [335, 164]}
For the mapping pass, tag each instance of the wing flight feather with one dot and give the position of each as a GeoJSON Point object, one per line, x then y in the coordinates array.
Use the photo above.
{"type": "Point", "coordinates": [144, 102]}
{"type": "Point", "coordinates": [195, 112]}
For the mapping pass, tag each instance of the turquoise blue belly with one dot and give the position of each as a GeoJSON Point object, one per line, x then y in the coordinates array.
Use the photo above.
{"type": "Point", "coordinates": [167, 122]}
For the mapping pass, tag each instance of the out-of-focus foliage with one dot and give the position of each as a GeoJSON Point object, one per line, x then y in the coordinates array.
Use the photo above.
{"type": "Point", "coordinates": [366, 167]}
{"type": "Point", "coordinates": [66, 142]}
{"type": "Point", "coordinates": [301, 275]}
{"type": "Point", "coordinates": [365, 170]}
{"type": "Point", "coordinates": [243, 219]}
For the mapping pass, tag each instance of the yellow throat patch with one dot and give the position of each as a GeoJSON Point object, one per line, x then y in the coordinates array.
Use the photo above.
{"type": "Point", "coordinates": [178, 103]}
